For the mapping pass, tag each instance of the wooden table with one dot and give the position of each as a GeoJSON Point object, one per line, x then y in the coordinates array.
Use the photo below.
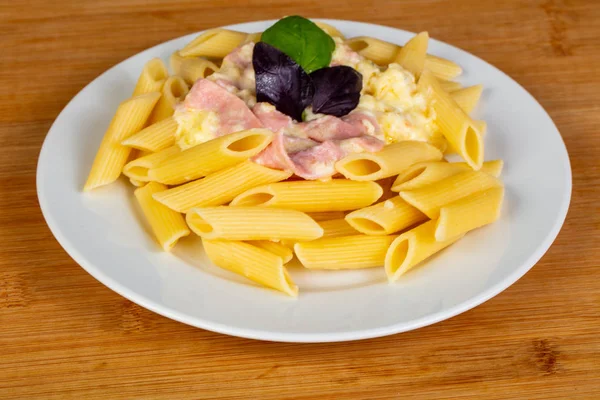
{"type": "Point", "coordinates": [65, 335]}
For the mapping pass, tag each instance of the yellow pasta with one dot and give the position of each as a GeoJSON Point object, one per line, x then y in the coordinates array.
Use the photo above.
{"type": "Point", "coordinates": [392, 160]}
{"type": "Point", "coordinates": [252, 262]}
{"type": "Point", "coordinates": [130, 117]}
{"type": "Point", "coordinates": [327, 215]}
{"type": "Point", "coordinates": [175, 61]}
{"type": "Point", "coordinates": [174, 90]}
{"type": "Point", "coordinates": [384, 53]}
{"type": "Point", "coordinates": [192, 69]}
{"type": "Point", "coordinates": [153, 76]}
{"type": "Point", "coordinates": [384, 218]}
{"type": "Point", "coordinates": [412, 247]}
{"type": "Point", "coordinates": [412, 55]}
{"type": "Point", "coordinates": [468, 97]}
{"type": "Point", "coordinates": [220, 187]}
{"type": "Point", "coordinates": [469, 213]}
{"type": "Point", "coordinates": [337, 228]}
{"type": "Point", "coordinates": [136, 183]}
{"type": "Point", "coordinates": [252, 223]}
{"type": "Point", "coordinates": [450, 86]}
{"type": "Point", "coordinates": [493, 167]}
{"type": "Point", "coordinates": [429, 199]}
{"type": "Point", "coordinates": [138, 168]}
{"type": "Point", "coordinates": [214, 43]}
{"type": "Point", "coordinates": [168, 226]}
{"type": "Point", "coordinates": [253, 37]}
{"type": "Point", "coordinates": [208, 157]}
{"type": "Point", "coordinates": [348, 252]}
{"type": "Point", "coordinates": [285, 253]}
{"type": "Point", "coordinates": [155, 137]}
{"type": "Point", "coordinates": [312, 196]}
{"type": "Point", "coordinates": [329, 29]}
{"type": "Point", "coordinates": [426, 173]}
{"type": "Point", "coordinates": [481, 126]}
{"type": "Point", "coordinates": [454, 123]}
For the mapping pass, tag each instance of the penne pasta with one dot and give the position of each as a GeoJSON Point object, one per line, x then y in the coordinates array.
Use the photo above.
{"type": "Point", "coordinates": [252, 223]}
{"type": "Point", "coordinates": [423, 174]}
{"type": "Point", "coordinates": [212, 156]}
{"type": "Point", "coordinates": [312, 196]}
{"type": "Point", "coordinates": [337, 228]}
{"type": "Point", "coordinates": [468, 213]}
{"type": "Point", "coordinates": [392, 160]}
{"type": "Point", "coordinates": [450, 86]}
{"type": "Point", "coordinates": [412, 247]}
{"type": "Point", "coordinates": [253, 37]}
{"type": "Point", "coordinates": [329, 29]}
{"type": "Point", "coordinates": [460, 131]}
{"type": "Point", "coordinates": [327, 215]}
{"type": "Point", "coordinates": [155, 137]}
{"type": "Point", "coordinates": [252, 262]}
{"type": "Point", "coordinates": [348, 252]}
{"type": "Point", "coordinates": [384, 218]}
{"type": "Point", "coordinates": [493, 167]}
{"type": "Point", "coordinates": [174, 90]}
{"type": "Point", "coordinates": [130, 117]}
{"type": "Point", "coordinates": [220, 187]}
{"type": "Point", "coordinates": [384, 53]}
{"type": "Point", "coordinates": [283, 252]}
{"type": "Point", "coordinates": [214, 43]}
{"type": "Point", "coordinates": [468, 97]}
{"type": "Point", "coordinates": [429, 199]}
{"type": "Point", "coordinates": [153, 76]}
{"type": "Point", "coordinates": [412, 55]}
{"type": "Point", "coordinates": [168, 226]}
{"type": "Point", "coordinates": [175, 61]}
{"type": "Point", "coordinates": [138, 168]}
{"type": "Point", "coordinates": [192, 69]}
{"type": "Point", "coordinates": [136, 183]}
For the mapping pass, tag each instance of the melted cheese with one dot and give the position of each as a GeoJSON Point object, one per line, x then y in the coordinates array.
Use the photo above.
{"type": "Point", "coordinates": [195, 127]}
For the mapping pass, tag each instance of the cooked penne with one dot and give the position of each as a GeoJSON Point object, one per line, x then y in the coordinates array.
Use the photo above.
{"type": "Point", "coordinates": [253, 37]}
{"type": "Point", "coordinates": [168, 226]}
{"type": "Point", "coordinates": [481, 126]}
{"type": "Point", "coordinates": [312, 196]}
{"type": "Point", "coordinates": [384, 53]}
{"type": "Point", "coordinates": [252, 223]}
{"type": "Point", "coordinates": [392, 160]}
{"type": "Point", "coordinates": [450, 86]}
{"type": "Point", "coordinates": [138, 168]}
{"type": "Point", "coordinates": [173, 91]}
{"type": "Point", "coordinates": [412, 247]}
{"type": "Point", "coordinates": [285, 253]}
{"type": "Point", "coordinates": [214, 43]}
{"type": "Point", "coordinates": [337, 228]}
{"type": "Point", "coordinates": [327, 215]}
{"type": "Point", "coordinates": [153, 76]}
{"type": "Point", "coordinates": [155, 137]}
{"type": "Point", "coordinates": [175, 61]}
{"type": "Point", "coordinates": [429, 199]}
{"type": "Point", "coordinates": [455, 124]}
{"type": "Point", "coordinates": [348, 252]}
{"type": "Point", "coordinates": [192, 69]}
{"type": "Point", "coordinates": [493, 167]}
{"type": "Point", "coordinates": [329, 29]}
{"type": "Point", "coordinates": [384, 218]}
{"type": "Point", "coordinates": [136, 183]}
{"type": "Point", "coordinates": [468, 97]}
{"type": "Point", "coordinates": [469, 213]}
{"type": "Point", "coordinates": [426, 173]}
{"type": "Point", "coordinates": [412, 55]}
{"type": "Point", "coordinates": [253, 262]}
{"type": "Point", "coordinates": [220, 187]}
{"type": "Point", "coordinates": [211, 156]}
{"type": "Point", "coordinates": [130, 117]}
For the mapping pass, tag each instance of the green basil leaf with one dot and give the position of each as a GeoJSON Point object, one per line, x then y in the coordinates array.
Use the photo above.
{"type": "Point", "coordinates": [302, 40]}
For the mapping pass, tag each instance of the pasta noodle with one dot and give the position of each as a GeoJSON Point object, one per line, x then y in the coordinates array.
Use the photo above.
{"type": "Point", "coordinates": [130, 117]}
{"type": "Point", "coordinates": [329, 29]}
{"type": "Point", "coordinates": [253, 37]}
{"type": "Point", "coordinates": [348, 252]}
{"type": "Point", "coordinates": [220, 187]}
{"type": "Point", "coordinates": [312, 196]}
{"type": "Point", "coordinates": [155, 137]}
{"type": "Point", "coordinates": [469, 213]}
{"type": "Point", "coordinates": [208, 157]}
{"type": "Point", "coordinates": [214, 43]}
{"type": "Point", "coordinates": [173, 91]}
{"type": "Point", "coordinates": [285, 253]}
{"type": "Point", "coordinates": [138, 168]}
{"type": "Point", "coordinates": [384, 218]}
{"type": "Point", "coordinates": [457, 127]}
{"type": "Point", "coordinates": [252, 262]}
{"type": "Point", "coordinates": [392, 160]}
{"type": "Point", "coordinates": [423, 174]}
{"type": "Point", "coordinates": [337, 228]}
{"type": "Point", "coordinates": [252, 223]}
{"type": "Point", "coordinates": [192, 69]}
{"type": "Point", "coordinates": [326, 215]}
{"type": "Point", "coordinates": [450, 86]}
{"type": "Point", "coordinates": [493, 167]}
{"type": "Point", "coordinates": [168, 226]}
{"type": "Point", "coordinates": [412, 247]}
{"type": "Point", "coordinates": [153, 76]}
{"type": "Point", "coordinates": [468, 97]}
{"type": "Point", "coordinates": [429, 199]}
{"type": "Point", "coordinates": [412, 55]}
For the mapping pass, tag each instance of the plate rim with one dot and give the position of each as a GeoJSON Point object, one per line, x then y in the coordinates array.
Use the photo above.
{"type": "Point", "coordinates": [257, 334]}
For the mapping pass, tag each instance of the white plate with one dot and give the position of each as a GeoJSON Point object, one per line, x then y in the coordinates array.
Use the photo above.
{"type": "Point", "coordinates": [103, 233]}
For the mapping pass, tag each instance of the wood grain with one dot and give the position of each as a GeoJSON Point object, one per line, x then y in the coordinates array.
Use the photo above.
{"type": "Point", "coordinates": [64, 335]}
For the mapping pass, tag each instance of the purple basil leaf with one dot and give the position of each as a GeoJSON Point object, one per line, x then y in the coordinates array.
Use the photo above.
{"type": "Point", "coordinates": [280, 81]}
{"type": "Point", "coordinates": [337, 90]}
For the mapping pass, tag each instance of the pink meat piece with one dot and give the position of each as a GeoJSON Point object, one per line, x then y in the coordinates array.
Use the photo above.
{"type": "Point", "coordinates": [317, 162]}
{"type": "Point", "coordinates": [361, 144]}
{"type": "Point", "coordinates": [365, 122]}
{"type": "Point", "coordinates": [328, 128]}
{"type": "Point", "coordinates": [241, 56]}
{"type": "Point", "coordinates": [271, 118]}
{"type": "Point", "coordinates": [233, 113]}
{"type": "Point", "coordinates": [277, 154]}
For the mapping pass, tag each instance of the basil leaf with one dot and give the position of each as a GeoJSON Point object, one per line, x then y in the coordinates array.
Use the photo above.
{"type": "Point", "coordinates": [302, 40]}
{"type": "Point", "coordinates": [280, 81]}
{"type": "Point", "coordinates": [337, 90]}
